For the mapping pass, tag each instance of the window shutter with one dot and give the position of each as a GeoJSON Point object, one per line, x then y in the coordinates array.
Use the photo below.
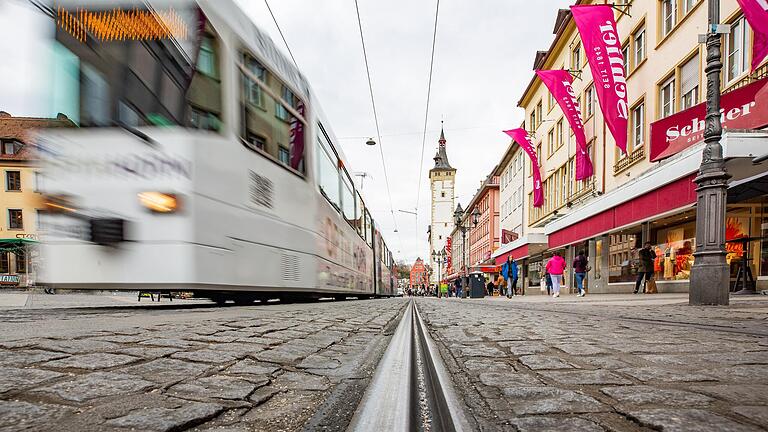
{"type": "Point", "coordinates": [689, 75]}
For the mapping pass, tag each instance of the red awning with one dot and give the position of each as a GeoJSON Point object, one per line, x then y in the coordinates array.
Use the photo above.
{"type": "Point", "coordinates": [675, 195]}
{"type": "Point", "coordinates": [517, 253]}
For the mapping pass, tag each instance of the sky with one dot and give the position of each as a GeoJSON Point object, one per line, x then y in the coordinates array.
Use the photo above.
{"type": "Point", "coordinates": [484, 56]}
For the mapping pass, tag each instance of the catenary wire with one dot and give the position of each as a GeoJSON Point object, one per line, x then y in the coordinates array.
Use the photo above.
{"type": "Point", "coordinates": [281, 34]}
{"type": "Point", "coordinates": [426, 114]}
{"type": "Point", "coordinates": [376, 117]}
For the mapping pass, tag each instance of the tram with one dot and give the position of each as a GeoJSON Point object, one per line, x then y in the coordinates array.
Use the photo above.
{"type": "Point", "coordinates": [201, 162]}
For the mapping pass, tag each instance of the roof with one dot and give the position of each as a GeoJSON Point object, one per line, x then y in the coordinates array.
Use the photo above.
{"type": "Point", "coordinates": [441, 157]}
{"type": "Point", "coordinates": [22, 130]}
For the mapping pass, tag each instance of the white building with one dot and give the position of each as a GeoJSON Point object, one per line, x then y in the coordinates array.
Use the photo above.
{"type": "Point", "coordinates": [442, 179]}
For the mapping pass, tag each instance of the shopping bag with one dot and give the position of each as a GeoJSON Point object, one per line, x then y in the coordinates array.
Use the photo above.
{"type": "Point", "coordinates": [650, 287]}
{"type": "Point", "coordinates": [543, 285]}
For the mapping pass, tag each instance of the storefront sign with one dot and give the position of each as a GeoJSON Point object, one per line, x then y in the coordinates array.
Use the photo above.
{"type": "Point", "coordinates": [521, 138]}
{"type": "Point", "coordinates": [756, 12]}
{"type": "Point", "coordinates": [27, 236]}
{"type": "Point", "coordinates": [602, 46]}
{"type": "Point", "coordinates": [559, 84]}
{"type": "Point", "coordinates": [743, 108]}
{"type": "Point", "coordinates": [9, 279]}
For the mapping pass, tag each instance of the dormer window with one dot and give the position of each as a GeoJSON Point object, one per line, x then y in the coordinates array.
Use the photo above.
{"type": "Point", "coordinates": [10, 147]}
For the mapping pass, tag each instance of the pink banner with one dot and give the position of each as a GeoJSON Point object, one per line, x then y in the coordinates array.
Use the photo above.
{"type": "Point", "coordinates": [597, 27]}
{"type": "Point", "coordinates": [756, 13]}
{"type": "Point", "coordinates": [559, 84]}
{"type": "Point", "coordinates": [521, 138]}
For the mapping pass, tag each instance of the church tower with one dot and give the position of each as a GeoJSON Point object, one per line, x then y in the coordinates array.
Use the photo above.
{"type": "Point", "coordinates": [442, 179]}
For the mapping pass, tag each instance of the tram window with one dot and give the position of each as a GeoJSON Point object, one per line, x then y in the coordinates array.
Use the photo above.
{"type": "Point", "coordinates": [359, 222]}
{"type": "Point", "coordinates": [264, 115]}
{"type": "Point", "coordinates": [348, 199]}
{"type": "Point", "coordinates": [368, 229]}
{"type": "Point", "coordinates": [328, 173]}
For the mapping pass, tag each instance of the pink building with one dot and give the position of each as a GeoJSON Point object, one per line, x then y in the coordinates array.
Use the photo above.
{"type": "Point", "coordinates": [483, 238]}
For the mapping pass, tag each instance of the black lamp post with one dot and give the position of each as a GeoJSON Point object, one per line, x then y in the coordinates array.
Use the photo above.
{"type": "Point", "coordinates": [457, 219]}
{"type": "Point", "coordinates": [710, 276]}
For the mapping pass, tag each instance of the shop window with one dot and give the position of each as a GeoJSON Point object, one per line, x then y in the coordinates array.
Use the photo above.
{"type": "Point", "coordinates": [5, 263]}
{"type": "Point", "coordinates": [13, 181]}
{"type": "Point", "coordinates": [21, 261]}
{"type": "Point", "coordinates": [15, 219]}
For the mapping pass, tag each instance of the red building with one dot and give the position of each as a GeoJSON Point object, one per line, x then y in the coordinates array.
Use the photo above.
{"type": "Point", "coordinates": [483, 238]}
{"type": "Point", "coordinates": [419, 274]}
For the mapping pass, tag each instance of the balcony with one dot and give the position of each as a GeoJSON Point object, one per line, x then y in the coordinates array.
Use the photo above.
{"type": "Point", "coordinates": [637, 155]}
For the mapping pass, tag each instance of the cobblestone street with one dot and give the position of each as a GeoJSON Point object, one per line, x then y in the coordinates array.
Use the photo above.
{"type": "Point", "coordinates": [544, 365]}
{"type": "Point", "coordinates": [273, 367]}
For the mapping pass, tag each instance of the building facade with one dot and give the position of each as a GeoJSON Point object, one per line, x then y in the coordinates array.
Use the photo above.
{"type": "Point", "coordinates": [648, 193]}
{"type": "Point", "coordinates": [20, 201]}
{"type": "Point", "coordinates": [442, 180]}
{"type": "Point", "coordinates": [419, 274]}
{"type": "Point", "coordinates": [483, 237]}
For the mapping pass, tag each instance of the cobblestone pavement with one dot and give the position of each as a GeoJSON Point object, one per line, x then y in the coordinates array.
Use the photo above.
{"type": "Point", "coordinates": [273, 367]}
{"type": "Point", "coordinates": [555, 366]}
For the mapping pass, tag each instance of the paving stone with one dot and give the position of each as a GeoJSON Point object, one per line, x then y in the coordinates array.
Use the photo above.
{"type": "Point", "coordinates": [481, 364]}
{"type": "Point", "coordinates": [284, 411]}
{"type": "Point", "coordinates": [162, 419]}
{"type": "Point", "coordinates": [687, 420]}
{"type": "Point", "coordinates": [148, 352]}
{"type": "Point", "coordinates": [122, 338]}
{"type": "Point", "coordinates": [540, 362]}
{"type": "Point", "coordinates": [20, 415]}
{"type": "Point", "coordinates": [96, 385]}
{"type": "Point", "coordinates": [758, 414]}
{"type": "Point", "coordinates": [287, 353]}
{"type": "Point", "coordinates": [581, 349]}
{"type": "Point", "coordinates": [91, 361]}
{"type": "Point", "coordinates": [609, 363]}
{"type": "Point", "coordinates": [555, 424]}
{"type": "Point", "coordinates": [77, 346]}
{"type": "Point", "coordinates": [240, 349]}
{"type": "Point", "coordinates": [164, 370]}
{"type": "Point", "coordinates": [217, 387]}
{"type": "Point", "coordinates": [206, 356]}
{"type": "Point", "coordinates": [316, 361]}
{"type": "Point", "coordinates": [586, 377]}
{"type": "Point", "coordinates": [550, 400]}
{"type": "Point", "coordinates": [12, 378]}
{"type": "Point", "coordinates": [508, 379]}
{"type": "Point", "coordinates": [527, 348]}
{"type": "Point", "coordinates": [252, 367]}
{"type": "Point", "coordinates": [481, 351]}
{"type": "Point", "coordinates": [28, 357]}
{"type": "Point", "coordinates": [664, 374]}
{"type": "Point", "coordinates": [738, 393]}
{"type": "Point", "coordinates": [643, 395]}
{"type": "Point", "coordinates": [743, 373]}
{"type": "Point", "coordinates": [301, 381]}
{"type": "Point", "coordinates": [173, 343]}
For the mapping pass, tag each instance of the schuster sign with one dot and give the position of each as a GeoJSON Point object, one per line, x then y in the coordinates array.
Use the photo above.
{"type": "Point", "coordinates": [743, 108]}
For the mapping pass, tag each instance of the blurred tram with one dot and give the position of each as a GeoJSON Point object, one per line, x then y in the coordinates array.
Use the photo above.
{"type": "Point", "coordinates": [202, 162]}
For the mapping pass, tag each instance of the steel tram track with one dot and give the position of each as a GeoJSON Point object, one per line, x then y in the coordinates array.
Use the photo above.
{"type": "Point", "coordinates": [411, 389]}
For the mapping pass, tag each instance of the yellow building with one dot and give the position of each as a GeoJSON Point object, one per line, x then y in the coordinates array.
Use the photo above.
{"type": "Point", "coordinates": [20, 202]}
{"type": "Point", "coordinates": [632, 198]}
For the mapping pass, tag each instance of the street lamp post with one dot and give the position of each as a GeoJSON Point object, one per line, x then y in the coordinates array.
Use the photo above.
{"type": "Point", "coordinates": [710, 276]}
{"type": "Point", "coordinates": [438, 257]}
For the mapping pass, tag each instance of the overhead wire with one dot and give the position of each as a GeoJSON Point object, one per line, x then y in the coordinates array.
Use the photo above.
{"type": "Point", "coordinates": [426, 114]}
{"type": "Point", "coordinates": [376, 117]}
{"type": "Point", "coordinates": [279, 30]}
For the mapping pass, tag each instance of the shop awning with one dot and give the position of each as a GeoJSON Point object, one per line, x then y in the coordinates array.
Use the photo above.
{"type": "Point", "coordinates": [14, 243]}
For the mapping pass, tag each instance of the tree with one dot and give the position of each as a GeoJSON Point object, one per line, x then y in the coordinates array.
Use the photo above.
{"type": "Point", "coordinates": [403, 270]}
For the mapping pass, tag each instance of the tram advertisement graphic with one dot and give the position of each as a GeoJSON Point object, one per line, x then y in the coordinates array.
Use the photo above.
{"type": "Point", "coordinates": [602, 46]}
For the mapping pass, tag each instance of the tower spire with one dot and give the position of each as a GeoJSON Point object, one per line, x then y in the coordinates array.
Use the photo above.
{"type": "Point", "coordinates": [441, 157]}
{"type": "Point", "coordinates": [442, 135]}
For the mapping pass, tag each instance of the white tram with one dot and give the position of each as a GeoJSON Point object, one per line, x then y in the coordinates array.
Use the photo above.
{"type": "Point", "coordinates": [202, 162]}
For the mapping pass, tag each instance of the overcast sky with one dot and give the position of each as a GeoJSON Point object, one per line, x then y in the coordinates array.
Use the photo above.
{"type": "Point", "coordinates": [483, 62]}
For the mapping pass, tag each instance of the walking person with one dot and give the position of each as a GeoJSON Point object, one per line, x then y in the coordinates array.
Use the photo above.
{"type": "Point", "coordinates": [555, 267]}
{"type": "Point", "coordinates": [580, 269]}
{"type": "Point", "coordinates": [645, 269]}
{"type": "Point", "coordinates": [548, 282]}
{"type": "Point", "coordinates": [509, 270]}
{"type": "Point", "coordinates": [490, 287]}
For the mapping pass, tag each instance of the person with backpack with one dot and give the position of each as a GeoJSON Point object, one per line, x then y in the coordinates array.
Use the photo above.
{"type": "Point", "coordinates": [645, 269]}
{"type": "Point", "coordinates": [555, 268]}
{"type": "Point", "coordinates": [580, 269]}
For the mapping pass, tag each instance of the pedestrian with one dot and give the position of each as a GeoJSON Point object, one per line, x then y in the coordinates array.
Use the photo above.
{"type": "Point", "coordinates": [580, 269]}
{"type": "Point", "coordinates": [490, 287]}
{"type": "Point", "coordinates": [457, 286]}
{"type": "Point", "coordinates": [555, 267]}
{"type": "Point", "coordinates": [548, 282]}
{"type": "Point", "coordinates": [645, 269]}
{"type": "Point", "coordinates": [509, 271]}
{"type": "Point", "coordinates": [500, 283]}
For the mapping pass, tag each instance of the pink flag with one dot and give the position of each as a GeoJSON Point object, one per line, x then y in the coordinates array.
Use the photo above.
{"type": "Point", "coordinates": [521, 138]}
{"type": "Point", "coordinates": [756, 12]}
{"type": "Point", "coordinates": [597, 27]}
{"type": "Point", "coordinates": [559, 84]}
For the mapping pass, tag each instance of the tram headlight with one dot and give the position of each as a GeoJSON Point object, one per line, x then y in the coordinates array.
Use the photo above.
{"type": "Point", "coordinates": [160, 202]}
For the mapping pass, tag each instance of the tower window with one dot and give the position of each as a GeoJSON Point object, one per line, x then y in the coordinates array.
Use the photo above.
{"type": "Point", "coordinates": [442, 194]}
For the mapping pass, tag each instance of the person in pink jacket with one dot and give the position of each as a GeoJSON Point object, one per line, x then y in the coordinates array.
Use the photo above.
{"type": "Point", "coordinates": [555, 267]}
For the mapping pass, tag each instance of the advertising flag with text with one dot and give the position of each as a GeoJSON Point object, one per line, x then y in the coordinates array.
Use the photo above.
{"type": "Point", "coordinates": [521, 138]}
{"type": "Point", "coordinates": [559, 83]}
{"type": "Point", "coordinates": [597, 27]}
{"type": "Point", "coordinates": [756, 12]}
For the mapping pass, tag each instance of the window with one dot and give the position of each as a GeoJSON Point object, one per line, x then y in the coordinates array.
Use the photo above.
{"type": "Point", "coordinates": [38, 181]}
{"type": "Point", "coordinates": [253, 92]}
{"type": "Point", "coordinates": [625, 55]}
{"type": "Point", "coordinates": [563, 184]}
{"type": "Point", "coordinates": [736, 50]}
{"type": "Point", "coordinates": [638, 127]}
{"type": "Point", "coordinates": [327, 171]}
{"type": "Point", "coordinates": [256, 142]}
{"type": "Point", "coordinates": [668, 16]}
{"type": "Point", "coordinates": [539, 113]}
{"type": "Point", "coordinates": [128, 115]}
{"type": "Point", "coordinates": [15, 219]}
{"type": "Point", "coordinates": [283, 155]}
{"type": "Point", "coordinates": [280, 111]}
{"type": "Point", "coordinates": [539, 153]}
{"type": "Point", "coordinates": [639, 45]}
{"type": "Point", "coordinates": [21, 261]}
{"type": "Point", "coordinates": [550, 143]}
{"type": "Point", "coordinates": [688, 5]}
{"type": "Point", "coordinates": [442, 194]}
{"type": "Point", "coordinates": [206, 61]}
{"type": "Point", "coordinates": [13, 180]}
{"type": "Point", "coordinates": [360, 222]}
{"type": "Point", "coordinates": [576, 58]}
{"type": "Point", "coordinates": [667, 97]}
{"type": "Point", "coordinates": [689, 83]}
{"type": "Point", "coordinates": [550, 102]}
{"type": "Point", "coordinates": [10, 147]}
{"type": "Point", "coordinates": [589, 101]}
{"type": "Point", "coordinates": [94, 91]}
{"type": "Point", "coordinates": [533, 121]}
{"type": "Point", "coordinates": [201, 119]}
{"type": "Point", "coordinates": [5, 264]}
{"type": "Point", "coordinates": [348, 198]}
{"type": "Point", "coordinates": [560, 138]}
